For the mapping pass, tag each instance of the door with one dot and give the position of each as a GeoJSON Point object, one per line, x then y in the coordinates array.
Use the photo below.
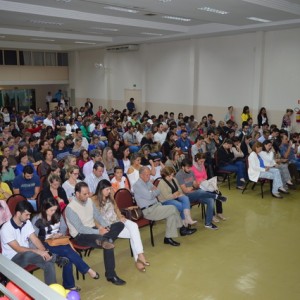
{"type": "Point", "coordinates": [136, 95]}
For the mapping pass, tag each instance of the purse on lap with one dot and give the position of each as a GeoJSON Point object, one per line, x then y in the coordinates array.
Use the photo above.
{"type": "Point", "coordinates": [133, 213]}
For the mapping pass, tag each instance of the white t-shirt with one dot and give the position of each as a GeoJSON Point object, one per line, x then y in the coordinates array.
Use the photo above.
{"type": "Point", "coordinates": [9, 233]}
{"type": "Point", "coordinates": [160, 137]}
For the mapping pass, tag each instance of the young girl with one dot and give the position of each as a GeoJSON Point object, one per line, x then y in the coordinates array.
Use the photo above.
{"type": "Point", "coordinates": [107, 206]}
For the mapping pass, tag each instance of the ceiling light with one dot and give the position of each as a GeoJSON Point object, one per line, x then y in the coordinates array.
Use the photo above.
{"type": "Point", "coordinates": [105, 29]}
{"type": "Point", "coordinates": [152, 33]}
{"type": "Point", "coordinates": [45, 22]}
{"type": "Point", "coordinates": [133, 11]}
{"type": "Point", "coordinates": [66, 1]}
{"type": "Point", "coordinates": [258, 20]}
{"type": "Point", "coordinates": [165, 1]}
{"type": "Point", "coordinates": [177, 18]}
{"type": "Point", "coordinates": [213, 10]}
{"type": "Point", "coordinates": [43, 40]}
{"type": "Point", "coordinates": [87, 43]}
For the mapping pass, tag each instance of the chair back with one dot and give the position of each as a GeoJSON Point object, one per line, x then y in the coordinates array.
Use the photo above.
{"type": "Point", "coordinates": [123, 198]}
{"type": "Point", "coordinates": [39, 170]}
{"type": "Point", "coordinates": [156, 181]}
{"type": "Point", "coordinates": [61, 163]}
{"type": "Point", "coordinates": [13, 200]}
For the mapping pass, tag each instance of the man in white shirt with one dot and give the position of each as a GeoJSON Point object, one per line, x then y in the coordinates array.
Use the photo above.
{"type": "Point", "coordinates": [95, 177]}
{"type": "Point", "coordinates": [95, 156]}
{"type": "Point", "coordinates": [160, 135]}
{"type": "Point", "coordinates": [49, 121]}
{"type": "Point", "coordinates": [15, 236]}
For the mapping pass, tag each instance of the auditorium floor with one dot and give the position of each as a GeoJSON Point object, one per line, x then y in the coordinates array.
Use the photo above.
{"type": "Point", "coordinates": [253, 255]}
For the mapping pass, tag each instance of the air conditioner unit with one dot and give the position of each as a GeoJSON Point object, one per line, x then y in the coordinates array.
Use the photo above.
{"type": "Point", "coordinates": [123, 48]}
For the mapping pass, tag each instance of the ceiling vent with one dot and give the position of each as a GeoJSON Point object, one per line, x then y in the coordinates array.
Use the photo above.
{"type": "Point", "coordinates": [123, 48]}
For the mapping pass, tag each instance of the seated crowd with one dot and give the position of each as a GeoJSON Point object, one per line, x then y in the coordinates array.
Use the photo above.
{"type": "Point", "coordinates": [69, 165]}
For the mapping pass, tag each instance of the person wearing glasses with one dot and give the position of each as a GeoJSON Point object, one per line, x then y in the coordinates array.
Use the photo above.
{"type": "Point", "coordinates": [72, 178]}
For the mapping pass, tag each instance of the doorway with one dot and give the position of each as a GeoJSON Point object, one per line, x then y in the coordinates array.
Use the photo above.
{"type": "Point", "coordinates": [136, 95]}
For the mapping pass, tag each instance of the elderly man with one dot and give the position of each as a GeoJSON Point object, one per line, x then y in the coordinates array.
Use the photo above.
{"type": "Point", "coordinates": [81, 215]}
{"type": "Point", "coordinates": [145, 194]}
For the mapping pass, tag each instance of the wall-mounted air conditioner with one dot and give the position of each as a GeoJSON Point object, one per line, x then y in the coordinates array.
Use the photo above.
{"type": "Point", "coordinates": [123, 48]}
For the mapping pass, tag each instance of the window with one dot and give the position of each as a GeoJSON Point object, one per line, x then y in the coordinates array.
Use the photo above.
{"type": "Point", "coordinates": [25, 58]}
{"type": "Point", "coordinates": [50, 58]}
{"type": "Point", "coordinates": [1, 57]}
{"type": "Point", "coordinates": [62, 59]}
{"type": "Point", "coordinates": [10, 57]}
{"type": "Point", "coordinates": [38, 58]}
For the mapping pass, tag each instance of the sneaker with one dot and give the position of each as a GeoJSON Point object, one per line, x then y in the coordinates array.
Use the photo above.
{"type": "Point", "coordinates": [61, 261]}
{"type": "Point", "coordinates": [215, 219]}
{"type": "Point", "coordinates": [211, 226]}
{"type": "Point", "coordinates": [221, 198]}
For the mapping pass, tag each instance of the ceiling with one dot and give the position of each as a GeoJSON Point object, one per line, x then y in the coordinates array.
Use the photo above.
{"type": "Point", "coordinates": [76, 24]}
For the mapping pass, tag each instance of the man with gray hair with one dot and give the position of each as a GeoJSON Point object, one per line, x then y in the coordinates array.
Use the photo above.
{"type": "Point", "coordinates": [145, 194]}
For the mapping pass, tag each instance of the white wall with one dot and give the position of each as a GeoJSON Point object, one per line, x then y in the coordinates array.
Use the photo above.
{"type": "Point", "coordinates": [199, 76]}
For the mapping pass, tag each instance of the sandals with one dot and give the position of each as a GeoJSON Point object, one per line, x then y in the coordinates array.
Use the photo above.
{"type": "Point", "coordinates": [97, 276]}
{"type": "Point", "coordinates": [140, 266]}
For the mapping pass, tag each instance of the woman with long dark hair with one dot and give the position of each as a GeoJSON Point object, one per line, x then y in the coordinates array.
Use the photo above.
{"type": "Point", "coordinates": [108, 208]}
{"type": "Point", "coordinates": [50, 224]}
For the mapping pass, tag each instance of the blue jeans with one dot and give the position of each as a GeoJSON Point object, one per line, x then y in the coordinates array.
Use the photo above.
{"type": "Point", "coordinates": [239, 168]}
{"type": "Point", "coordinates": [133, 149]}
{"type": "Point", "coordinates": [74, 258]}
{"type": "Point", "coordinates": [181, 203]}
{"type": "Point", "coordinates": [296, 161]}
{"type": "Point", "coordinates": [207, 198]}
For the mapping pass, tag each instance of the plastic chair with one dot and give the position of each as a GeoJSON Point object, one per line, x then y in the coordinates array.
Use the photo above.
{"type": "Point", "coordinates": [124, 199]}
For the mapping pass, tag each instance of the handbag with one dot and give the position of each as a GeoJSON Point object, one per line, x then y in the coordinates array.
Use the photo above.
{"type": "Point", "coordinates": [210, 185]}
{"type": "Point", "coordinates": [60, 241]}
{"type": "Point", "coordinates": [133, 213]}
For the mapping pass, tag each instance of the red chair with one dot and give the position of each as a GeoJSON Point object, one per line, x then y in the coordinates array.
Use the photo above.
{"type": "Point", "coordinates": [156, 181]}
{"type": "Point", "coordinates": [81, 250]}
{"type": "Point", "coordinates": [13, 200]}
{"type": "Point", "coordinates": [124, 199]}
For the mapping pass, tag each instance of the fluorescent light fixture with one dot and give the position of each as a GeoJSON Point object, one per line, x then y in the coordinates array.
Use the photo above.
{"type": "Point", "coordinates": [42, 40]}
{"type": "Point", "coordinates": [45, 22]}
{"type": "Point", "coordinates": [105, 29]}
{"type": "Point", "coordinates": [86, 43]}
{"type": "Point", "coordinates": [66, 1]}
{"type": "Point", "coordinates": [258, 20]}
{"type": "Point", "coordinates": [213, 10]}
{"type": "Point", "coordinates": [177, 18]}
{"type": "Point", "coordinates": [165, 1]}
{"type": "Point", "coordinates": [152, 33]}
{"type": "Point", "coordinates": [133, 11]}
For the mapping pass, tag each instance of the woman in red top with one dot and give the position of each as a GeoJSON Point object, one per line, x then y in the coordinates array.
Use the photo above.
{"type": "Point", "coordinates": [201, 176]}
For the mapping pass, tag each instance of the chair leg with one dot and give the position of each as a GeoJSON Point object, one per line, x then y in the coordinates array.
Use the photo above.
{"type": "Point", "coordinates": [262, 189]}
{"type": "Point", "coordinates": [245, 187]}
{"type": "Point", "coordinates": [228, 178]}
{"type": "Point", "coordinates": [203, 212]}
{"type": "Point", "coordinates": [131, 253]}
{"type": "Point", "coordinates": [151, 233]}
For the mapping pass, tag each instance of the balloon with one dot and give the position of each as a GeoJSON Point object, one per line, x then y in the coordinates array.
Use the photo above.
{"type": "Point", "coordinates": [73, 295]}
{"type": "Point", "coordinates": [18, 292]}
{"type": "Point", "coordinates": [58, 288]}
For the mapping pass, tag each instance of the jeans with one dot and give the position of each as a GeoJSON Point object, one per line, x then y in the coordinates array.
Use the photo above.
{"type": "Point", "coordinates": [207, 198]}
{"type": "Point", "coordinates": [23, 259]}
{"type": "Point", "coordinates": [74, 258]}
{"type": "Point", "coordinates": [133, 149]}
{"type": "Point", "coordinates": [296, 161]}
{"type": "Point", "coordinates": [108, 254]}
{"type": "Point", "coordinates": [239, 168]}
{"type": "Point", "coordinates": [181, 203]}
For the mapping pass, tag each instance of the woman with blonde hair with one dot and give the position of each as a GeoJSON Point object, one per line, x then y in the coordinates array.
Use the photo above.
{"type": "Point", "coordinates": [171, 194]}
{"type": "Point", "coordinates": [109, 210]}
{"type": "Point", "coordinates": [71, 180]}
{"type": "Point", "coordinates": [109, 161]}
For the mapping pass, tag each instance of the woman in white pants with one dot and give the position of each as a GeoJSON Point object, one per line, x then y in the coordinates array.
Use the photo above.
{"type": "Point", "coordinates": [109, 210]}
{"type": "Point", "coordinates": [267, 154]}
{"type": "Point", "coordinates": [257, 169]}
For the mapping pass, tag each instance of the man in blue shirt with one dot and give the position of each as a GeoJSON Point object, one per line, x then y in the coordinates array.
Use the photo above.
{"type": "Point", "coordinates": [27, 184]}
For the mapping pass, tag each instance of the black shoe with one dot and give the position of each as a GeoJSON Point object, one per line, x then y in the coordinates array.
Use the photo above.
{"type": "Point", "coordinates": [291, 186]}
{"type": "Point", "coordinates": [171, 242]}
{"type": "Point", "coordinates": [97, 276]}
{"type": "Point", "coordinates": [221, 198]}
{"type": "Point", "coordinates": [116, 280]}
{"type": "Point", "coordinates": [282, 191]}
{"type": "Point", "coordinates": [186, 231]}
{"type": "Point", "coordinates": [61, 261]}
{"type": "Point", "coordinates": [105, 244]}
